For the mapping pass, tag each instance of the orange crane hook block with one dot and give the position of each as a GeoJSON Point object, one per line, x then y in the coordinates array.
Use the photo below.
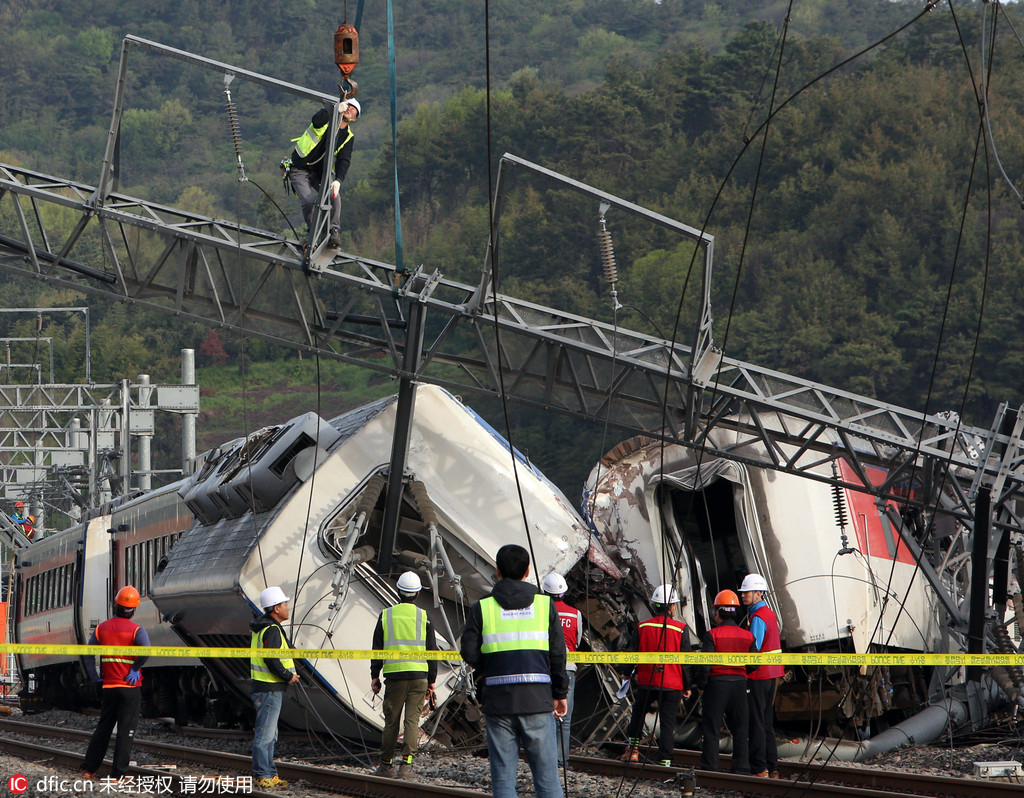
{"type": "Point", "coordinates": [346, 48]}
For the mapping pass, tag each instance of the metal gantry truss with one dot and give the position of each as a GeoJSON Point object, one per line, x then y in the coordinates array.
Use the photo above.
{"type": "Point", "coordinates": [72, 444]}
{"type": "Point", "coordinates": [256, 283]}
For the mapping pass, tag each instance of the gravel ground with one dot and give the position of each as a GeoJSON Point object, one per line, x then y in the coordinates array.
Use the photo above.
{"type": "Point", "coordinates": [443, 767]}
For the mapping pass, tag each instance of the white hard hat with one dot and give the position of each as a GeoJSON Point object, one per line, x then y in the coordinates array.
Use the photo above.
{"type": "Point", "coordinates": [355, 104]}
{"type": "Point", "coordinates": [272, 596]}
{"type": "Point", "coordinates": [554, 584]}
{"type": "Point", "coordinates": [409, 582]}
{"type": "Point", "coordinates": [665, 594]}
{"type": "Point", "coordinates": [753, 582]}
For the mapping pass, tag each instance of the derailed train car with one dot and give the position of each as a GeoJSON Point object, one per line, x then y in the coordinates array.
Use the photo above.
{"type": "Point", "coordinates": [300, 506]}
{"type": "Point", "coordinates": [704, 522]}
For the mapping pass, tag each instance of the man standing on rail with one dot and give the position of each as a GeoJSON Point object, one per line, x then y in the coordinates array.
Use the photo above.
{"type": "Point", "coordinates": [403, 627]}
{"type": "Point", "coordinates": [270, 679]}
{"type": "Point", "coordinates": [725, 686]}
{"type": "Point", "coordinates": [572, 629]}
{"type": "Point", "coordinates": [121, 696]}
{"type": "Point", "coordinates": [761, 620]}
{"type": "Point", "coordinates": [309, 165]}
{"type": "Point", "coordinates": [513, 638]}
{"type": "Point", "coordinates": [666, 684]}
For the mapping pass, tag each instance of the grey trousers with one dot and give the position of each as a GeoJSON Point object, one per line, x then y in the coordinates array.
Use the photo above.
{"type": "Point", "coordinates": [307, 187]}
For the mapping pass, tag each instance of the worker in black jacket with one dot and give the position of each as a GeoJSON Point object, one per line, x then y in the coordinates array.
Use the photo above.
{"type": "Point", "coordinates": [309, 166]}
{"type": "Point", "coordinates": [513, 638]}
{"type": "Point", "coordinates": [725, 686]}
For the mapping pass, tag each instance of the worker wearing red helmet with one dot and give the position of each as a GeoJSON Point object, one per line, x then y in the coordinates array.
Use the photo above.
{"type": "Point", "coordinates": [725, 686]}
{"type": "Point", "coordinates": [121, 696]}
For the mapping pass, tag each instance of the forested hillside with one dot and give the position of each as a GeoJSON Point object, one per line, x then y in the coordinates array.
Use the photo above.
{"type": "Point", "coordinates": [867, 234]}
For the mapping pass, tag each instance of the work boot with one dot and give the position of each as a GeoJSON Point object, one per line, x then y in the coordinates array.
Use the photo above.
{"type": "Point", "coordinates": [665, 763]}
{"type": "Point", "coordinates": [87, 776]}
{"type": "Point", "coordinates": [405, 770]}
{"type": "Point", "coordinates": [386, 770]}
{"type": "Point", "coordinates": [333, 241]}
{"type": "Point", "coordinates": [630, 754]}
{"type": "Point", "coordinates": [773, 774]}
{"type": "Point", "coordinates": [762, 775]}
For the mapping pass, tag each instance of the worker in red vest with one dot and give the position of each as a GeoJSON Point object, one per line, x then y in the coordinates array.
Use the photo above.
{"type": "Point", "coordinates": [725, 686]}
{"type": "Point", "coordinates": [761, 620]}
{"type": "Point", "coordinates": [572, 628]}
{"type": "Point", "coordinates": [121, 696]}
{"type": "Point", "coordinates": [665, 684]}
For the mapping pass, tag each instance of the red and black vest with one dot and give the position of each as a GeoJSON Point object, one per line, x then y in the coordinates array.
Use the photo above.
{"type": "Point", "coordinates": [570, 618]}
{"type": "Point", "coordinates": [117, 632]}
{"type": "Point", "coordinates": [661, 633]}
{"type": "Point", "coordinates": [772, 644]}
{"type": "Point", "coordinates": [730, 638]}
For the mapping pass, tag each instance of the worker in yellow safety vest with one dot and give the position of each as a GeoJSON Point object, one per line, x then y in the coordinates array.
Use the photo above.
{"type": "Point", "coordinates": [309, 165]}
{"type": "Point", "coordinates": [403, 627]}
{"type": "Point", "coordinates": [271, 676]}
{"type": "Point", "coordinates": [513, 638]}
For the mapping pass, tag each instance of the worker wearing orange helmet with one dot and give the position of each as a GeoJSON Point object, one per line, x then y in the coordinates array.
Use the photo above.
{"type": "Point", "coordinates": [121, 696]}
{"type": "Point", "coordinates": [725, 686]}
{"type": "Point", "coordinates": [22, 520]}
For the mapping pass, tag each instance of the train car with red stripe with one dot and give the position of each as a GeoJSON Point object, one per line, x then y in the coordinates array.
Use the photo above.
{"type": "Point", "coordinates": [64, 587]}
{"type": "Point", "coordinates": [841, 575]}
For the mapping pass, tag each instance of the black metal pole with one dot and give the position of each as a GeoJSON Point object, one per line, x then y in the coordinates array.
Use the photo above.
{"type": "Point", "coordinates": [400, 442]}
{"type": "Point", "coordinates": [979, 580]}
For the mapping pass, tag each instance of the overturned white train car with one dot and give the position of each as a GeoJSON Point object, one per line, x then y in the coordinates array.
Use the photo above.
{"type": "Point", "coordinates": [300, 506]}
{"type": "Point", "coordinates": [704, 522]}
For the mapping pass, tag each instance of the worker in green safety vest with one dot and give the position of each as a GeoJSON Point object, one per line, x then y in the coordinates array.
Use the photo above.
{"type": "Point", "coordinates": [310, 164]}
{"type": "Point", "coordinates": [513, 638]}
{"type": "Point", "coordinates": [270, 678]}
{"type": "Point", "coordinates": [403, 627]}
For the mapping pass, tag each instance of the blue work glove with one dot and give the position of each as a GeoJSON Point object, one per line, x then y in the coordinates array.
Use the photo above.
{"type": "Point", "coordinates": [133, 677]}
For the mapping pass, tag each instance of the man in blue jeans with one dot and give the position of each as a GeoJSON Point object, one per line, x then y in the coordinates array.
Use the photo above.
{"type": "Point", "coordinates": [513, 638]}
{"type": "Point", "coordinates": [270, 678]}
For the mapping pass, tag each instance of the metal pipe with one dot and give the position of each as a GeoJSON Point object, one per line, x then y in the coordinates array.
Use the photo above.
{"type": "Point", "coordinates": [188, 419]}
{"type": "Point", "coordinates": [921, 729]}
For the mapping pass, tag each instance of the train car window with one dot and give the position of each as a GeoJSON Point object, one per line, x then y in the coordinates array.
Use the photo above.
{"type": "Point", "coordinates": [48, 591]}
{"type": "Point", "coordinates": [129, 565]}
{"type": "Point", "coordinates": [66, 586]}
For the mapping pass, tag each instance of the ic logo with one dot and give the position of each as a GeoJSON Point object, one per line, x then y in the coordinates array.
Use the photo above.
{"type": "Point", "coordinates": [17, 784]}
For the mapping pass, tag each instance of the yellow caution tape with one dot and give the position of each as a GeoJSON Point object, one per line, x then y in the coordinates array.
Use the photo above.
{"type": "Point", "coordinates": [583, 657]}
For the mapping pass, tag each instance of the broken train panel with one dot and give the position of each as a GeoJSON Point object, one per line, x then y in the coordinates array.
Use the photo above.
{"type": "Point", "coordinates": [669, 514]}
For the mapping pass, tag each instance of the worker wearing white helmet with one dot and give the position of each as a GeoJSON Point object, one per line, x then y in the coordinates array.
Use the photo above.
{"type": "Point", "coordinates": [665, 684]}
{"type": "Point", "coordinates": [270, 679]}
{"type": "Point", "coordinates": [572, 628]}
{"type": "Point", "coordinates": [403, 627]}
{"type": "Point", "coordinates": [308, 168]}
{"type": "Point", "coordinates": [763, 624]}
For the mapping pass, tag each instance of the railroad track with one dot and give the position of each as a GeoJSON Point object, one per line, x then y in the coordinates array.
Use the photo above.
{"type": "Point", "coordinates": [805, 780]}
{"type": "Point", "coordinates": [341, 782]}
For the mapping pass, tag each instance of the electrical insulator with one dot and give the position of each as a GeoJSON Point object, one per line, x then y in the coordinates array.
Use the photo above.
{"type": "Point", "coordinates": [839, 505]}
{"type": "Point", "coordinates": [604, 239]}
{"type": "Point", "coordinates": [236, 131]}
